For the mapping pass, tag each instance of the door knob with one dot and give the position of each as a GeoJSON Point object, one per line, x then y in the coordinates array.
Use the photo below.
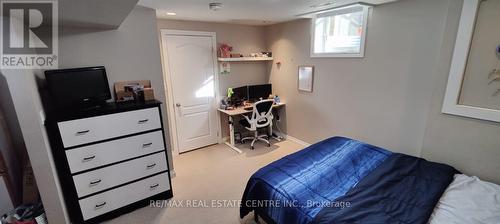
{"type": "Point", "coordinates": [178, 105]}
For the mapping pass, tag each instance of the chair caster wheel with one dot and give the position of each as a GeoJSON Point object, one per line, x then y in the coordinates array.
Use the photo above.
{"type": "Point", "coordinates": [269, 145]}
{"type": "Point", "coordinates": [252, 148]}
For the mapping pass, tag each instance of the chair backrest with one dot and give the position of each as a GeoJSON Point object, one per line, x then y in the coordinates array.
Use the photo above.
{"type": "Point", "coordinates": [262, 113]}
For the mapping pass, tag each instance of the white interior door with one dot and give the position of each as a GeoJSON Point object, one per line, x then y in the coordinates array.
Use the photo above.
{"type": "Point", "coordinates": [190, 62]}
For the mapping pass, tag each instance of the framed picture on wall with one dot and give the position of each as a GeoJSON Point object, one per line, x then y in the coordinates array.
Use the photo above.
{"type": "Point", "coordinates": [306, 78]}
{"type": "Point", "coordinates": [473, 88]}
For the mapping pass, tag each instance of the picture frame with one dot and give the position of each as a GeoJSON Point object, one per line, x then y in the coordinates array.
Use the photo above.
{"type": "Point", "coordinates": [465, 34]}
{"type": "Point", "coordinates": [305, 78]}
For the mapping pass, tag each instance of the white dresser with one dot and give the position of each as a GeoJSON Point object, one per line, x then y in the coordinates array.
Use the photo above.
{"type": "Point", "coordinates": [110, 160]}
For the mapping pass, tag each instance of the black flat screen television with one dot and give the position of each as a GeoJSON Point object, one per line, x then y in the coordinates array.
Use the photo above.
{"type": "Point", "coordinates": [78, 87]}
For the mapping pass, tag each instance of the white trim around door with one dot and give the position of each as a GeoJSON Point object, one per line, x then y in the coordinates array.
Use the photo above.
{"type": "Point", "coordinates": [170, 105]}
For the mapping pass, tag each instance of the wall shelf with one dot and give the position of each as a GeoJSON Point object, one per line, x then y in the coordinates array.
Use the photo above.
{"type": "Point", "coordinates": [243, 59]}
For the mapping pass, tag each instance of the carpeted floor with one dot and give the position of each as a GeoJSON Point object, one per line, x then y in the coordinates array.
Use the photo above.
{"type": "Point", "coordinates": [204, 176]}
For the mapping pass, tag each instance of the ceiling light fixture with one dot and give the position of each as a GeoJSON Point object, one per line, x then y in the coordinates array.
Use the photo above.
{"type": "Point", "coordinates": [171, 13]}
{"type": "Point", "coordinates": [215, 6]}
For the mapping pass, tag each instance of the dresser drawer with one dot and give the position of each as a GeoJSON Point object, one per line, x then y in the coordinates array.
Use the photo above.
{"type": "Point", "coordinates": [108, 177]}
{"type": "Point", "coordinates": [122, 196]}
{"type": "Point", "coordinates": [91, 156]}
{"type": "Point", "coordinates": [88, 130]}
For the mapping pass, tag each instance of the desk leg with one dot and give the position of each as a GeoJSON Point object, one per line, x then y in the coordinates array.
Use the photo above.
{"type": "Point", "coordinates": [231, 142]}
{"type": "Point", "coordinates": [231, 130]}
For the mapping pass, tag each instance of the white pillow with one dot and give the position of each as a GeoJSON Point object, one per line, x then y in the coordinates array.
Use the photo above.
{"type": "Point", "coordinates": [468, 200]}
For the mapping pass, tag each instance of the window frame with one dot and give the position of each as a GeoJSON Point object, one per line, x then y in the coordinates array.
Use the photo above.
{"type": "Point", "coordinates": [365, 9]}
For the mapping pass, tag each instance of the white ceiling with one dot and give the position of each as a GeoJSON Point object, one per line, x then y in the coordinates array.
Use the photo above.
{"type": "Point", "coordinates": [252, 12]}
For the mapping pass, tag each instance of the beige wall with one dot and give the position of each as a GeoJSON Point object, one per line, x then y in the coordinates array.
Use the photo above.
{"type": "Point", "coordinates": [244, 39]}
{"type": "Point", "coordinates": [382, 98]}
{"type": "Point", "coordinates": [393, 96]}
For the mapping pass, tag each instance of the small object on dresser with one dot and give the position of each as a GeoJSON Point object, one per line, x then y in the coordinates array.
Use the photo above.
{"type": "Point", "coordinates": [139, 90]}
{"type": "Point", "coordinates": [149, 94]}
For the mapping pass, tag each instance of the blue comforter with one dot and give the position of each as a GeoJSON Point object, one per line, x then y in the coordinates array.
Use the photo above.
{"type": "Point", "coordinates": [340, 180]}
{"type": "Point", "coordinates": [295, 188]}
{"type": "Point", "coordinates": [404, 189]}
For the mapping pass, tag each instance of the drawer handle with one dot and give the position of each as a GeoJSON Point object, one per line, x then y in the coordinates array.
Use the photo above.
{"type": "Point", "coordinates": [151, 166]}
{"type": "Point", "coordinates": [100, 205]}
{"type": "Point", "coordinates": [82, 132]}
{"type": "Point", "coordinates": [93, 183]}
{"type": "Point", "coordinates": [153, 186]}
{"type": "Point", "coordinates": [90, 158]}
{"type": "Point", "coordinates": [147, 145]}
{"type": "Point", "coordinates": [143, 121]}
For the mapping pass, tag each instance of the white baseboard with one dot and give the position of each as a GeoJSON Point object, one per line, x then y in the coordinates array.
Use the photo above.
{"type": "Point", "coordinates": [296, 140]}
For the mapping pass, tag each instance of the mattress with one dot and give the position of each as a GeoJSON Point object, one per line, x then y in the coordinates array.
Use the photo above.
{"type": "Point", "coordinates": [341, 180]}
{"type": "Point", "coordinates": [299, 185]}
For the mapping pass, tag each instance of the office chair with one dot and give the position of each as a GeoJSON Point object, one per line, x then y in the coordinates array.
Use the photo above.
{"type": "Point", "coordinates": [262, 116]}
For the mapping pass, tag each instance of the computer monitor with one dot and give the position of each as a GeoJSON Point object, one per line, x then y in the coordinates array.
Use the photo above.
{"type": "Point", "coordinates": [256, 92]}
{"type": "Point", "coordinates": [241, 93]}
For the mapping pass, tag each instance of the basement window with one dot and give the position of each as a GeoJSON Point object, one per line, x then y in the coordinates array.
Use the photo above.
{"type": "Point", "coordinates": [340, 32]}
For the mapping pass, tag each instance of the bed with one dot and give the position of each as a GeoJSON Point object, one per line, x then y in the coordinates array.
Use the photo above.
{"type": "Point", "coordinates": [341, 180]}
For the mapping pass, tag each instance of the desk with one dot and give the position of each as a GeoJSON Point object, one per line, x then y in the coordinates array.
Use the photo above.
{"type": "Point", "coordinates": [237, 112]}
